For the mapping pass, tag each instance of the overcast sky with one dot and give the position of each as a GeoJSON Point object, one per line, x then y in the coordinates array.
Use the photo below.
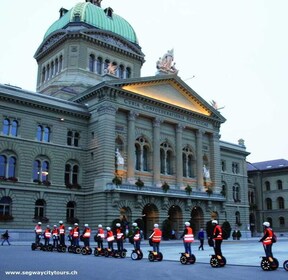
{"type": "Point", "coordinates": [237, 51]}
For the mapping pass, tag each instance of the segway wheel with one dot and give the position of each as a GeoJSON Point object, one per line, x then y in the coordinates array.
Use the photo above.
{"type": "Point", "coordinates": [183, 259]}
{"type": "Point", "coordinates": [89, 251]}
{"type": "Point", "coordinates": [70, 249]}
{"type": "Point", "coordinates": [50, 248]}
{"type": "Point", "coordinates": [63, 249]}
{"type": "Point", "coordinates": [134, 256]}
{"type": "Point", "coordinates": [214, 262]}
{"type": "Point", "coordinates": [160, 257]}
{"type": "Point", "coordinates": [151, 257]}
{"type": "Point", "coordinates": [123, 254]}
{"type": "Point", "coordinates": [84, 251]}
{"type": "Point", "coordinates": [192, 259]}
{"type": "Point", "coordinates": [33, 247]}
{"type": "Point", "coordinates": [96, 252]}
{"type": "Point", "coordinates": [106, 253]}
{"type": "Point", "coordinates": [77, 250]}
{"type": "Point", "coordinates": [265, 264]}
{"type": "Point", "coordinates": [140, 256]}
{"type": "Point", "coordinates": [285, 265]}
{"type": "Point", "coordinates": [275, 264]}
{"type": "Point", "coordinates": [222, 262]}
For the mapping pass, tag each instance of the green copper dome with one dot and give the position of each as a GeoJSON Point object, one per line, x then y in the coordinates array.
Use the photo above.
{"type": "Point", "coordinates": [96, 17]}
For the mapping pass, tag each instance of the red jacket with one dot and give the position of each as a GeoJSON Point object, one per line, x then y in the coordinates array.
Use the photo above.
{"type": "Point", "coordinates": [217, 233]}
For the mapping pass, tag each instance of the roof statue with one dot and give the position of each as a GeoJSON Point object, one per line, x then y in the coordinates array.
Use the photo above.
{"type": "Point", "coordinates": [111, 68]}
{"type": "Point", "coordinates": [95, 2]}
{"type": "Point", "coordinates": [165, 63]}
{"type": "Point", "coordinates": [215, 105]}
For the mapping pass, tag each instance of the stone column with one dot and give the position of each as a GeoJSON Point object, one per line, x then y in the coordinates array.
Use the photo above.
{"type": "Point", "coordinates": [179, 163]}
{"type": "Point", "coordinates": [131, 147]}
{"type": "Point", "coordinates": [215, 166]}
{"type": "Point", "coordinates": [199, 161]}
{"type": "Point", "coordinates": [156, 152]}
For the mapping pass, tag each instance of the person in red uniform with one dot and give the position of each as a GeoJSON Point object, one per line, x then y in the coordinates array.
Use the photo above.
{"type": "Point", "coordinates": [70, 235]}
{"type": "Point", "coordinates": [110, 239]}
{"type": "Point", "coordinates": [75, 235]}
{"type": "Point", "coordinates": [55, 236]}
{"type": "Point", "coordinates": [119, 237]}
{"type": "Point", "coordinates": [136, 237]}
{"type": "Point", "coordinates": [188, 238]}
{"type": "Point", "coordinates": [156, 238]}
{"type": "Point", "coordinates": [217, 237]}
{"type": "Point", "coordinates": [38, 233]}
{"type": "Point", "coordinates": [267, 240]}
{"type": "Point", "coordinates": [100, 236]}
{"type": "Point", "coordinates": [47, 235]}
{"type": "Point", "coordinates": [61, 233]}
{"type": "Point", "coordinates": [86, 235]}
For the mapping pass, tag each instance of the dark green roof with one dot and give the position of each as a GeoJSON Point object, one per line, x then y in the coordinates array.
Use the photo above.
{"type": "Point", "coordinates": [96, 17]}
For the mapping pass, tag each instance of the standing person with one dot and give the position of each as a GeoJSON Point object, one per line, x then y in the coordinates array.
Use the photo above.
{"type": "Point", "coordinates": [47, 235]}
{"type": "Point", "coordinates": [86, 236]}
{"type": "Point", "coordinates": [5, 237]}
{"type": "Point", "coordinates": [136, 237]}
{"type": "Point", "coordinates": [267, 240]}
{"type": "Point", "coordinates": [188, 238]}
{"type": "Point", "coordinates": [100, 237]}
{"type": "Point", "coordinates": [201, 239]}
{"type": "Point", "coordinates": [119, 237]}
{"type": "Point", "coordinates": [55, 236]}
{"type": "Point", "coordinates": [38, 233]}
{"type": "Point", "coordinates": [61, 233]}
{"type": "Point", "coordinates": [110, 239]}
{"type": "Point", "coordinates": [75, 235]}
{"type": "Point", "coordinates": [217, 237]}
{"type": "Point", "coordinates": [156, 238]}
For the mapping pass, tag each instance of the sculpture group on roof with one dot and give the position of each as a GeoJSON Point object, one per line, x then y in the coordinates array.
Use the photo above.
{"type": "Point", "coordinates": [165, 63]}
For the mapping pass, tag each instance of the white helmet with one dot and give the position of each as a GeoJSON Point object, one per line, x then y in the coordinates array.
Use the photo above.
{"type": "Point", "coordinates": [60, 222]}
{"type": "Point", "coordinates": [108, 228]}
{"type": "Point", "coordinates": [156, 225]}
{"type": "Point", "coordinates": [48, 226]}
{"type": "Point", "coordinates": [99, 226]}
{"type": "Point", "coordinates": [118, 225]}
{"type": "Point", "coordinates": [187, 224]}
{"type": "Point", "coordinates": [76, 224]}
{"type": "Point", "coordinates": [266, 224]}
{"type": "Point", "coordinates": [86, 225]}
{"type": "Point", "coordinates": [134, 224]}
{"type": "Point", "coordinates": [69, 228]}
{"type": "Point", "coordinates": [214, 222]}
{"type": "Point", "coordinates": [54, 226]}
{"type": "Point", "coordinates": [39, 223]}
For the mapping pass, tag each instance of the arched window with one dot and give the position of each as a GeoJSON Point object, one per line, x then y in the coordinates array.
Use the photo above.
{"type": "Point", "coordinates": [236, 193]}
{"type": "Point", "coordinates": [52, 69]}
{"type": "Point", "coordinates": [40, 171]}
{"type": "Point", "coordinates": [8, 166]}
{"type": "Point", "coordinates": [99, 66]}
{"type": "Point", "coordinates": [12, 167]}
{"type": "Point", "coordinates": [60, 63]}
{"type": "Point", "coordinates": [187, 162]}
{"type": "Point", "coordinates": [43, 75]}
{"type": "Point", "coordinates": [14, 128]}
{"type": "Point", "coordinates": [46, 136]}
{"type": "Point", "coordinates": [72, 175]}
{"type": "Point", "coordinates": [166, 158]}
{"type": "Point", "coordinates": [281, 204]}
{"type": "Point", "coordinates": [39, 211]}
{"type": "Point", "coordinates": [6, 126]}
{"type": "Point", "coordinates": [69, 138]}
{"type": "Point", "coordinates": [3, 163]}
{"type": "Point", "coordinates": [10, 127]}
{"type": "Point", "coordinates": [73, 138]}
{"type": "Point", "coordinates": [5, 206]}
{"type": "Point", "coordinates": [237, 218]}
{"type": "Point", "coordinates": [76, 139]}
{"type": "Point", "coordinates": [128, 72]}
{"type": "Point", "coordinates": [224, 189]}
{"type": "Point", "coordinates": [48, 72]}
{"type": "Point", "coordinates": [142, 154]}
{"type": "Point", "coordinates": [92, 63]}
{"type": "Point", "coordinates": [267, 185]}
{"type": "Point", "coordinates": [268, 203]}
{"type": "Point", "coordinates": [282, 221]}
{"type": "Point", "coordinates": [279, 184]}
{"type": "Point", "coordinates": [70, 211]}
{"type": "Point", "coordinates": [43, 133]}
{"type": "Point", "coordinates": [56, 66]}
{"type": "Point", "coordinates": [121, 71]}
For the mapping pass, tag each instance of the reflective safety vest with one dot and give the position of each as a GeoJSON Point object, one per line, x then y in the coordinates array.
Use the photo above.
{"type": "Point", "coordinates": [55, 232]}
{"type": "Point", "coordinates": [110, 236]}
{"type": "Point", "coordinates": [137, 235]}
{"type": "Point", "coordinates": [47, 233]}
{"type": "Point", "coordinates": [38, 229]}
{"type": "Point", "coordinates": [189, 237]}
{"type": "Point", "coordinates": [217, 233]}
{"type": "Point", "coordinates": [157, 235]}
{"type": "Point", "coordinates": [119, 234]}
{"type": "Point", "coordinates": [87, 233]}
{"type": "Point", "coordinates": [101, 233]}
{"type": "Point", "coordinates": [76, 232]}
{"type": "Point", "coordinates": [268, 239]}
{"type": "Point", "coordinates": [61, 229]}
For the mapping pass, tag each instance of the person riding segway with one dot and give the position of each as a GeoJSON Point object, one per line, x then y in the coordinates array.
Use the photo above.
{"type": "Point", "coordinates": [86, 250]}
{"type": "Point", "coordinates": [188, 238]}
{"type": "Point", "coordinates": [217, 259]}
{"type": "Point", "coordinates": [99, 237]}
{"type": "Point", "coordinates": [38, 235]}
{"type": "Point", "coordinates": [155, 239]}
{"type": "Point", "coordinates": [121, 252]}
{"type": "Point", "coordinates": [136, 253]}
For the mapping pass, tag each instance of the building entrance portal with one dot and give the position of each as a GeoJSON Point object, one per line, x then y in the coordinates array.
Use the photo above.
{"type": "Point", "coordinates": [150, 216]}
{"type": "Point", "coordinates": [197, 219]}
{"type": "Point", "coordinates": [176, 219]}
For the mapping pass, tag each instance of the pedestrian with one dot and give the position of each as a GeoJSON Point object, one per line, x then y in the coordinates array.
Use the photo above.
{"type": "Point", "coordinates": [201, 239]}
{"type": "Point", "coordinates": [217, 237]}
{"type": "Point", "coordinates": [188, 238]}
{"type": "Point", "coordinates": [5, 236]}
{"type": "Point", "coordinates": [156, 239]}
{"type": "Point", "coordinates": [267, 240]}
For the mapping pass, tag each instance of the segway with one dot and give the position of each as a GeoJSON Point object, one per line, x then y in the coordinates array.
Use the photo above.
{"type": "Point", "coordinates": [35, 246]}
{"type": "Point", "coordinates": [154, 256]}
{"type": "Point", "coordinates": [285, 265]}
{"type": "Point", "coordinates": [98, 252]}
{"type": "Point", "coordinates": [109, 252]}
{"type": "Point", "coordinates": [217, 262]}
{"type": "Point", "coordinates": [74, 249]}
{"type": "Point", "coordinates": [267, 265]}
{"type": "Point", "coordinates": [61, 248]}
{"type": "Point", "coordinates": [184, 259]}
{"type": "Point", "coordinates": [48, 248]}
{"type": "Point", "coordinates": [120, 254]}
{"type": "Point", "coordinates": [136, 255]}
{"type": "Point", "coordinates": [86, 250]}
